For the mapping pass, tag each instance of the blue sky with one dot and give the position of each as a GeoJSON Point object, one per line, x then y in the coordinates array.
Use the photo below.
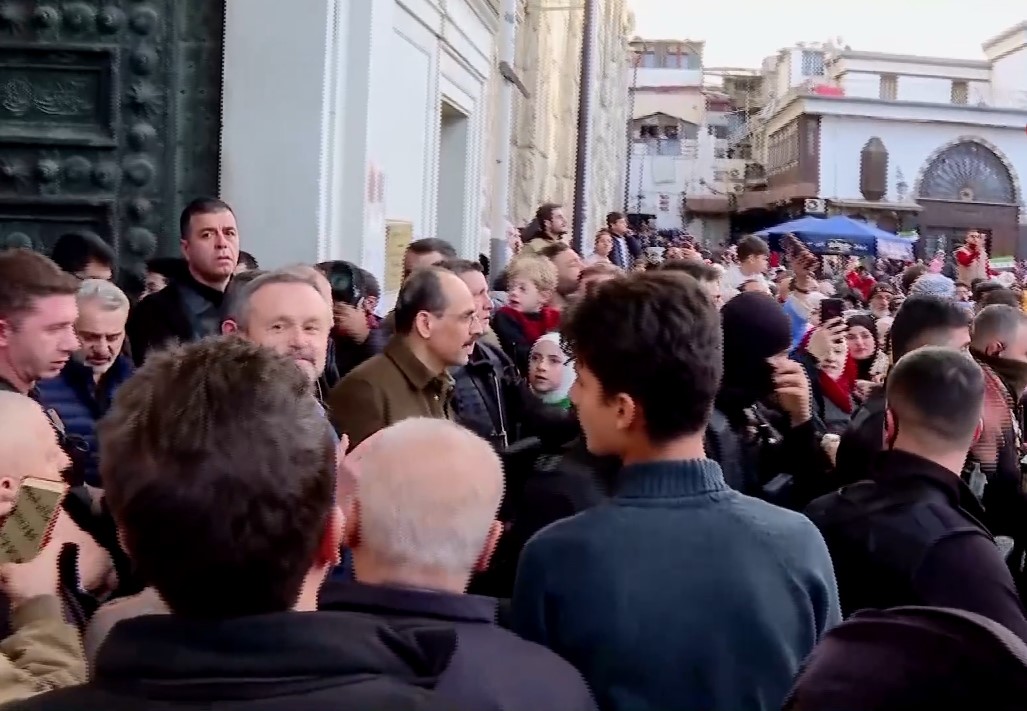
{"type": "Point", "coordinates": [742, 32]}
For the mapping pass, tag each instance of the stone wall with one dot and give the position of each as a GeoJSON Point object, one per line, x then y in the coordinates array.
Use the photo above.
{"type": "Point", "coordinates": [545, 123]}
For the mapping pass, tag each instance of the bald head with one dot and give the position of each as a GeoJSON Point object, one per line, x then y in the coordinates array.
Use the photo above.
{"type": "Point", "coordinates": [22, 425]}
{"type": "Point", "coordinates": [28, 446]}
{"type": "Point", "coordinates": [421, 514]}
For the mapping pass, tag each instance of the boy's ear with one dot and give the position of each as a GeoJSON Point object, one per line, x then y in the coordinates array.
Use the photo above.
{"type": "Point", "coordinates": [546, 296]}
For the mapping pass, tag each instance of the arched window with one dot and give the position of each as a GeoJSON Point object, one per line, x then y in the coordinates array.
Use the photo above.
{"type": "Point", "coordinates": [968, 172]}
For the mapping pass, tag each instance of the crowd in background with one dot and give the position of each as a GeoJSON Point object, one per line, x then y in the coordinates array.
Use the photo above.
{"type": "Point", "coordinates": [650, 476]}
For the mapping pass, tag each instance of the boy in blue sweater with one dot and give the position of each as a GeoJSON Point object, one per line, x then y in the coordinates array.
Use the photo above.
{"type": "Point", "coordinates": [680, 594]}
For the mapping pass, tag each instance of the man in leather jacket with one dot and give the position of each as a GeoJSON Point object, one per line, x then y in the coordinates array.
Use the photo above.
{"type": "Point", "coordinates": [920, 321]}
{"type": "Point", "coordinates": [912, 534]}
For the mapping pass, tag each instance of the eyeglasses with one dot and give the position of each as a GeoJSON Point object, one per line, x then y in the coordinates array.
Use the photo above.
{"type": "Point", "coordinates": [466, 319]}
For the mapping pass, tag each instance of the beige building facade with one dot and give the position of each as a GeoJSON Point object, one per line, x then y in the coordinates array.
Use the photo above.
{"type": "Point", "coordinates": [549, 37]}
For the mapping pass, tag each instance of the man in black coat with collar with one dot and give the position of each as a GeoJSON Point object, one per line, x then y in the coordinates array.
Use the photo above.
{"type": "Point", "coordinates": [912, 533]}
{"type": "Point", "coordinates": [236, 526]}
{"type": "Point", "coordinates": [189, 308]}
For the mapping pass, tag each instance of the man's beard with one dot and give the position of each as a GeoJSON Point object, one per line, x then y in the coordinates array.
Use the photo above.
{"type": "Point", "coordinates": [91, 361]}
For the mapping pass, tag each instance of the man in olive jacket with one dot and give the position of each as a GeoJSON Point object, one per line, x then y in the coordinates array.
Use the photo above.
{"type": "Point", "coordinates": [436, 326]}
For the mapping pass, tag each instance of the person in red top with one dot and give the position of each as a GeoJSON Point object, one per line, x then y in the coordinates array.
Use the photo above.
{"type": "Point", "coordinates": [972, 259]}
{"type": "Point", "coordinates": [531, 282]}
{"type": "Point", "coordinates": [859, 280]}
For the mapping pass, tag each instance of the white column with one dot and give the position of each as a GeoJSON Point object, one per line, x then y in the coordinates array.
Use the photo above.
{"type": "Point", "coordinates": [366, 59]}
{"type": "Point", "coordinates": [280, 97]}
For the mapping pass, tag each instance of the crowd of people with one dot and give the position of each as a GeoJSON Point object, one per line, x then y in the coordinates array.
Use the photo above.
{"type": "Point", "coordinates": [652, 477]}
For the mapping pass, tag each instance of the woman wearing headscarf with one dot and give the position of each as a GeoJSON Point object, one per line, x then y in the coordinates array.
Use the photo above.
{"type": "Point", "coordinates": [544, 484]}
{"type": "Point", "coordinates": [550, 373]}
{"type": "Point", "coordinates": [861, 337]}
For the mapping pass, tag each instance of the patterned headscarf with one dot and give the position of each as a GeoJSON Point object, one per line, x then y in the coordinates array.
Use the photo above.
{"type": "Point", "coordinates": [1001, 427]}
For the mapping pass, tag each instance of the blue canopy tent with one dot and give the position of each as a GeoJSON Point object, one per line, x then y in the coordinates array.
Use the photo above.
{"type": "Point", "coordinates": [830, 235]}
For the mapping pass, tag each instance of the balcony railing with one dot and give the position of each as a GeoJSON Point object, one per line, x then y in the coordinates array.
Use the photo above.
{"type": "Point", "coordinates": [827, 88]}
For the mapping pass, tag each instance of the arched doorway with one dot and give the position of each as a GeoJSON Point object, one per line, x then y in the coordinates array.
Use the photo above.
{"type": "Point", "coordinates": [968, 185]}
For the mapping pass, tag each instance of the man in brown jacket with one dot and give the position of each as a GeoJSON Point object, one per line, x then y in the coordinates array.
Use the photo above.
{"type": "Point", "coordinates": [436, 326]}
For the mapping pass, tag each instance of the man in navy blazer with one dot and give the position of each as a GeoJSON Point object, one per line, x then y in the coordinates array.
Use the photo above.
{"type": "Point", "coordinates": [626, 247]}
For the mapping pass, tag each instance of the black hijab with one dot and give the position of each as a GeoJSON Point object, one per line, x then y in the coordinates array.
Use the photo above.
{"type": "Point", "coordinates": [866, 321]}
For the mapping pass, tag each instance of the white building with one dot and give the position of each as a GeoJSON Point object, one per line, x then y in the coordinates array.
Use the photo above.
{"type": "Point", "coordinates": [681, 174]}
{"type": "Point", "coordinates": [338, 116]}
{"type": "Point", "coordinates": [935, 144]}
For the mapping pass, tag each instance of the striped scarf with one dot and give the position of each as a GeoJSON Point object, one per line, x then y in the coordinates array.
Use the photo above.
{"type": "Point", "coordinates": [1002, 420]}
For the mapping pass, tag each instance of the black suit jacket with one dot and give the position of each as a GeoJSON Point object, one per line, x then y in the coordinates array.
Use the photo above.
{"type": "Point", "coordinates": [156, 322]}
{"type": "Point", "coordinates": [634, 245]}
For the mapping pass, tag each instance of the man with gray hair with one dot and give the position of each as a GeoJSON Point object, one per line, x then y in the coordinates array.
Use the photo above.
{"type": "Point", "coordinates": [285, 312]}
{"type": "Point", "coordinates": [418, 526]}
{"type": "Point", "coordinates": [82, 392]}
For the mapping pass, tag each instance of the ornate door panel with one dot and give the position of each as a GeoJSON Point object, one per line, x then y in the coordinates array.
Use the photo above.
{"type": "Point", "coordinates": [110, 116]}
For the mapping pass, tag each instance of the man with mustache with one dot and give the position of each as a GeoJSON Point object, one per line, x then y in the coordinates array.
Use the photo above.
{"type": "Point", "coordinates": [437, 323]}
{"type": "Point", "coordinates": [285, 312]}
{"type": "Point", "coordinates": [83, 391]}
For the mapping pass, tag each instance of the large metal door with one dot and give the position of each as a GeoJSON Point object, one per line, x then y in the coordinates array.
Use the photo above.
{"type": "Point", "coordinates": [110, 115]}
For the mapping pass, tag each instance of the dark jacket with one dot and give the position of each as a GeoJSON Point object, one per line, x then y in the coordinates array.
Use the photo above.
{"type": "Point", "coordinates": [348, 354]}
{"type": "Point", "coordinates": [391, 386]}
{"type": "Point", "coordinates": [491, 399]}
{"type": "Point", "coordinates": [80, 402]}
{"type": "Point", "coordinates": [835, 419]}
{"type": "Point", "coordinates": [540, 490]}
{"type": "Point", "coordinates": [914, 659]}
{"type": "Point", "coordinates": [679, 594]}
{"type": "Point", "coordinates": [183, 311]}
{"type": "Point", "coordinates": [293, 661]}
{"type": "Point", "coordinates": [912, 535]}
{"type": "Point", "coordinates": [762, 455]}
{"type": "Point", "coordinates": [862, 441]}
{"type": "Point", "coordinates": [492, 668]}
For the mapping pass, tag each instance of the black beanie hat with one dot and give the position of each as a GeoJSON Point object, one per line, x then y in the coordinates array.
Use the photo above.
{"type": "Point", "coordinates": [755, 328]}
